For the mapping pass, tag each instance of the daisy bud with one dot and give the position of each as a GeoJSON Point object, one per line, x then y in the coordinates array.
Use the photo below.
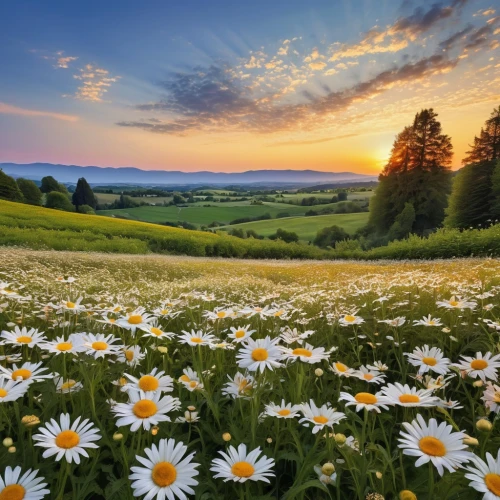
{"type": "Point", "coordinates": [30, 421]}
{"type": "Point", "coordinates": [191, 408]}
{"type": "Point", "coordinates": [154, 430]}
{"type": "Point", "coordinates": [226, 436]}
{"type": "Point", "coordinates": [478, 383]}
{"type": "Point", "coordinates": [328, 469]}
{"type": "Point", "coordinates": [7, 442]}
{"type": "Point", "coordinates": [340, 439]}
{"type": "Point", "coordinates": [378, 474]}
{"type": "Point", "coordinates": [269, 440]}
{"type": "Point", "coordinates": [163, 349]}
{"type": "Point", "coordinates": [484, 425]}
{"type": "Point", "coordinates": [318, 372]}
{"type": "Point", "coordinates": [117, 436]}
{"type": "Point", "coordinates": [11, 449]}
{"type": "Point", "coordinates": [470, 441]}
{"type": "Point", "coordinates": [407, 495]}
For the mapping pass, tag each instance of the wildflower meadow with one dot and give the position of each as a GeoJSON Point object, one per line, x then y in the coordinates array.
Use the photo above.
{"type": "Point", "coordinates": [158, 377]}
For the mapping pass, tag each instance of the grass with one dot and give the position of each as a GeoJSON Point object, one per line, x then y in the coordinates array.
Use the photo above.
{"type": "Point", "coordinates": [305, 227]}
{"type": "Point", "coordinates": [111, 197]}
{"type": "Point", "coordinates": [278, 300]}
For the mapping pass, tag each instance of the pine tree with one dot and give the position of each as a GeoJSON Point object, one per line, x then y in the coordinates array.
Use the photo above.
{"type": "Point", "coordinates": [84, 195]}
{"type": "Point", "coordinates": [9, 190]}
{"type": "Point", "coordinates": [486, 147]}
{"type": "Point", "coordinates": [32, 195]}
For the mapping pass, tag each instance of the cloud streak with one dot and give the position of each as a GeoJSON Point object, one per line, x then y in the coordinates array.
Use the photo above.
{"type": "Point", "coordinates": [9, 109]}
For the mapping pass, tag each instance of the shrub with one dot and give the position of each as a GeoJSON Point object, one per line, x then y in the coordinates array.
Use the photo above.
{"type": "Point", "coordinates": [32, 195]}
{"type": "Point", "coordinates": [9, 190]}
{"type": "Point", "coordinates": [329, 236]}
{"type": "Point", "coordinates": [58, 201]}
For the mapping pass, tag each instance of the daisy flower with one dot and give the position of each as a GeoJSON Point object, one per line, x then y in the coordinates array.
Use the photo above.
{"type": "Point", "coordinates": [399, 321]}
{"type": "Point", "coordinates": [438, 444]}
{"type": "Point", "coordinates": [100, 345]}
{"type": "Point", "coordinates": [482, 366]}
{"type": "Point", "coordinates": [241, 333]}
{"type": "Point", "coordinates": [196, 338]}
{"type": "Point", "coordinates": [68, 305]}
{"type": "Point", "coordinates": [365, 400]}
{"type": "Point", "coordinates": [132, 355]}
{"type": "Point", "coordinates": [10, 390]}
{"type": "Point", "coordinates": [154, 331]}
{"type": "Point", "coordinates": [72, 345]}
{"type": "Point", "coordinates": [282, 410]}
{"type": "Point", "coordinates": [65, 440]}
{"type": "Point", "coordinates": [319, 417]}
{"type": "Point", "coordinates": [239, 387]}
{"type": "Point", "coordinates": [326, 473]}
{"type": "Point", "coordinates": [378, 366]}
{"type": "Point", "coordinates": [65, 279]}
{"type": "Point", "coordinates": [404, 395]}
{"type": "Point", "coordinates": [68, 385]}
{"type": "Point", "coordinates": [456, 303]}
{"type": "Point", "coordinates": [259, 354]}
{"type": "Point", "coordinates": [31, 372]}
{"type": "Point", "coordinates": [16, 487]}
{"type": "Point", "coordinates": [23, 336]}
{"type": "Point", "coordinates": [491, 397]}
{"type": "Point", "coordinates": [307, 354]}
{"type": "Point", "coordinates": [189, 417]}
{"type": "Point", "coordinates": [485, 476]}
{"type": "Point", "coordinates": [427, 321]}
{"type": "Point", "coordinates": [370, 376]}
{"type": "Point", "coordinates": [289, 335]}
{"type": "Point", "coordinates": [190, 380]}
{"type": "Point", "coordinates": [351, 319]}
{"type": "Point", "coordinates": [341, 369]}
{"type": "Point", "coordinates": [144, 409]}
{"type": "Point", "coordinates": [165, 473]}
{"type": "Point", "coordinates": [239, 466]}
{"type": "Point", "coordinates": [154, 381]}
{"type": "Point", "coordinates": [134, 320]}
{"type": "Point", "coordinates": [429, 358]}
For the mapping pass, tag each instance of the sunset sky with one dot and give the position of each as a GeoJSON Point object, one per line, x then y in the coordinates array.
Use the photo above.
{"type": "Point", "coordinates": [236, 85]}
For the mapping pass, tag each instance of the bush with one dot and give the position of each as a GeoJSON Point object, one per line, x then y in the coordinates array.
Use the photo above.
{"type": "Point", "coordinates": [286, 236]}
{"type": "Point", "coordinates": [329, 236]}
{"type": "Point", "coordinates": [9, 190]}
{"type": "Point", "coordinates": [31, 194]}
{"type": "Point", "coordinates": [86, 209]}
{"type": "Point", "coordinates": [58, 201]}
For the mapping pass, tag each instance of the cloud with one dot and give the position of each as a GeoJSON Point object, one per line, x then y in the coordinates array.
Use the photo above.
{"type": "Point", "coordinates": [310, 141]}
{"type": "Point", "coordinates": [316, 66]}
{"type": "Point", "coordinates": [95, 83]}
{"type": "Point", "coordinates": [9, 109]}
{"type": "Point", "coordinates": [330, 72]}
{"type": "Point", "coordinates": [63, 61]}
{"type": "Point", "coordinates": [395, 37]}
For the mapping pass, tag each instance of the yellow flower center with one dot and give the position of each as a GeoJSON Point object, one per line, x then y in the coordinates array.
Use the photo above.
{"type": "Point", "coordinates": [242, 469]}
{"type": "Point", "coordinates": [365, 398]}
{"type": "Point", "coordinates": [320, 419]}
{"type": "Point", "coordinates": [409, 398]}
{"type": "Point", "coordinates": [302, 352]}
{"type": "Point", "coordinates": [145, 408]}
{"type": "Point", "coordinates": [70, 305]}
{"type": "Point", "coordinates": [349, 318]}
{"type": "Point", "coordinates": [68, 385]}
{"type": "Point", "coordinates": [341, 367]}
{"type": "Point", "coordinates": [284, 413]}
{"type": "Point", "coordinates": [112, 320]}
{"type": "Point", "coordinates": [221, 314]}
{"type": "Point", "coordinates": [259, 354]}
{"type": "Point", "coordinates": [156, 331]}
{"type": "Point", "coordinates": [148, 383]}
{"type": "Point", "coordinates": [67, 439]}
{"type": "Point", "coordinates": [492, 482]}
{"type": "Point", "coordinates": [193, 384]}
{"type": "Point", "coordinates": [429, 361]}
{"type": "Point", "coordinates": [239, 334]}
{"type": "Point", "coordinates": [164, 311]}
{"type": "Point", "coordinates": [478, 364]}
{"type": "Point", "coordinates": [496, 397]}
{"type": "Point", "coordinates": [3, 393]}
{"type": "Point", "coordinates": [12, 492]}
{"type": "Point", "coordinates": [99, 346]}
{"type": "Point", "coordinates": [164, 474]}
{"type": "Point", "coordinates": [64, 346]}
{"type": "Point", "coordinates": [432, 446]}
{"type": "Point", "coordinates": [129, 355]}
{"type": "Point", "coordinates": [135, 319]}
{"type": "Point", "coordinates": [368, 376]}
{"type": "Point", "coordinates": [22, 372]}
{"type": "Point", "coordinates": [244, 385]}
{"type": "Point", "coordinates": [453, 303]}
{"type": "Point", "coordinates": [117, 309]}
{"type": "Point", "coordinates": [196, 340]}
{"type": "Point", "coordinates": [279, 313]}
{"type": "Point", "coordinates": [24, 339]}
{"type": "Point", "coordinates": [184, 378]}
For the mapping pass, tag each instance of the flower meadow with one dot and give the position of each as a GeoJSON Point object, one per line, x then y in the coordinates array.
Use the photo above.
{"type": "Point", "coordinates": [169, 378]}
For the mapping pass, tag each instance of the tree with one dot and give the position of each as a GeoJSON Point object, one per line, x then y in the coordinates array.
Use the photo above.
{"type": "Point", "coordinates": [286, 236]}
{"type": "Point", "coordinates": [342, 195]}
{"type": "Point", "coordinates": [418, 172]}
{"type": "Point", "coordinates": [495, 191]}
{"type": "Point", "coordinates": [328, 236]}
{"type": "Point", "coordinates": [9, 190]}
{"type": "Point", "coordinates": [83, 194]}
{"type": "Point", "coordinates": [486, 147]}
{"type": "Point", "coordinates": [403, 224]}
{"type": "Point", "coordinates": [59, 201]}
{"type": "Point", "coordinates": [49, 184]}
{"type": "Point", "coordinates": [32, 195]}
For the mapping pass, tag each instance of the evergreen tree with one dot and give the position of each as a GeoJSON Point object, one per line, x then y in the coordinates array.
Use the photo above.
{"type": "Point", "coordinates": [486, 147]}
{"type": "Point", "coordinates": [495, 192]}
{"type": "Point", "coordinates": [84, 195]}
{"type": "Point", "coordinates": [31, 193]}
{"type": "Point", "coordinates": [9, 190]}
{"type": "Point", "coordinates": [403, 224]}
{"type": "Point", "coordinates": [418, 172]}
{"type": "Point", "coordinates": [59, 201]}
{"type": "Point", "coordinates": [49, 184]}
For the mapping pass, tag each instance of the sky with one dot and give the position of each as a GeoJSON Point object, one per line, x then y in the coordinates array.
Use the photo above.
{"type": "Point", "coordinates": [228, 86]}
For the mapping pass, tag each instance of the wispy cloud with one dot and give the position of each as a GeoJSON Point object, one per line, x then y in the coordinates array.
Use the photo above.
{"type": "Point", "coordinates": [59, 59]}
{"type": "Point", "coordinates": [64, 61]}
{"type": "Point", "coordinates": [311, 141]}
{"type": "Point", "coordinates": [9, 109]}
{"type": "Point", "coordinates": [95, 83]}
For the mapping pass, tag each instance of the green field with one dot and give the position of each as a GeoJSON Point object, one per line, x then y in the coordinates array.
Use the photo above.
{"type": "Point", "coordinates": [305, 227]}
{"type": "Point", "coordinates": [111, 197]}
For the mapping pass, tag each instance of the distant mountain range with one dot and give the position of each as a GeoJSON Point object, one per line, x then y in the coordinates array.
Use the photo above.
{"type": "Point", "coordinates": [131, 175]}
